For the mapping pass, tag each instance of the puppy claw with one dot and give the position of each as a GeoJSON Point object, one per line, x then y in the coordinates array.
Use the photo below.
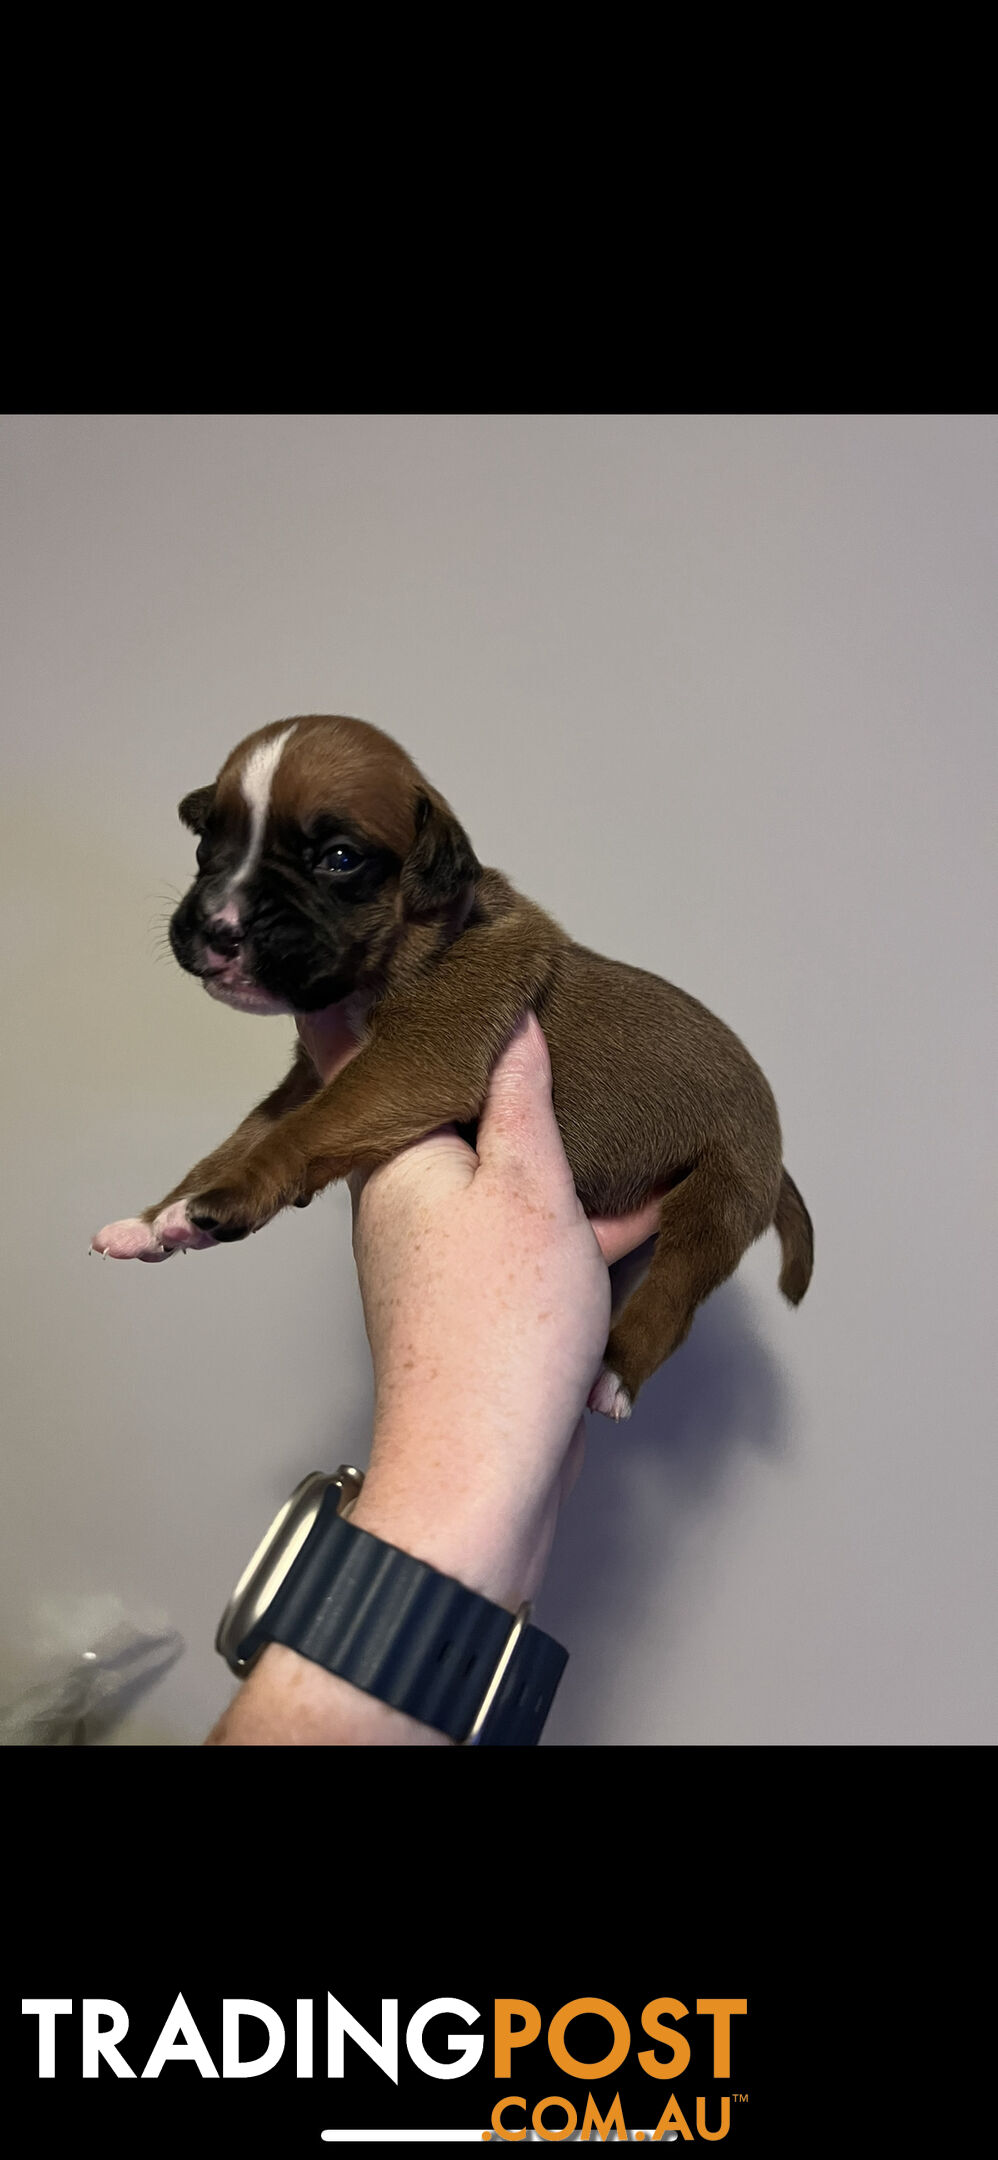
{"type": "Point", "coordinates": [609, 1396]}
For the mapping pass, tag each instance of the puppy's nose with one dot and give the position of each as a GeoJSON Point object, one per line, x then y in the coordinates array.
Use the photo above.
{"type": "Point", "coordinates": [224, 937]}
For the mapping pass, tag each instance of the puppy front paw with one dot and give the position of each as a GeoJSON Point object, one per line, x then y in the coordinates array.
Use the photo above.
{"type": "Point", "coordinates": [175, 1230]}
{"type": "Point", "coordinates": [240, 1206]}
{"type": "Point", "coordinates": [136, 1239]}
{"type": "Point", "coordinates": [131, 1239]}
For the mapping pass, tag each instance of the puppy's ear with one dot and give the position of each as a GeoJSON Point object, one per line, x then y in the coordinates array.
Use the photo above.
{"type": "Point", "coordinates": [193, 811]}
{"type": "Point", "coordinates": [441, 860]}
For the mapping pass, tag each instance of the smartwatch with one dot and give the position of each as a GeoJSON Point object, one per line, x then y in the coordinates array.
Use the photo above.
{"type": "Point", "coordinates": [389, 1623]}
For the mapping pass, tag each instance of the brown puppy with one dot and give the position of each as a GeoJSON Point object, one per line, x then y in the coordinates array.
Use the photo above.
{"type": "Point", "coordinates": [330, 874]}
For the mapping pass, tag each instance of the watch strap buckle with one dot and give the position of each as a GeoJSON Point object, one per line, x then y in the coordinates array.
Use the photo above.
{"type": "Point", "coordinates": [503, 1662]}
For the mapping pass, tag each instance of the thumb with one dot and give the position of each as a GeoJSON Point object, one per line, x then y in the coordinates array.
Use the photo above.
{"type": "Point", "coordinates": [518, 1131]}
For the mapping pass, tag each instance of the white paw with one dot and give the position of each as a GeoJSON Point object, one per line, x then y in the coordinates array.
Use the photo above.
{"type": "Point", "coordinates": [176, 1233]}
{"type": "Point", "coordinates": [609, 1396]}
{"type": "Point", "coordinates": [128, 1240]}
{"type": "Point", "coordinates": [134, 1240]}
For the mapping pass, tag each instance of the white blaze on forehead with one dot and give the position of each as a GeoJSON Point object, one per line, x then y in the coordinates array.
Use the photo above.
{"type": "Point", "coordinates": [256, 781]}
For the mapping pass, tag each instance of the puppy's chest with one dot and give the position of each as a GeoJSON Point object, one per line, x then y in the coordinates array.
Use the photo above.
{"type": "Point", "coordinates": [333, 1038]}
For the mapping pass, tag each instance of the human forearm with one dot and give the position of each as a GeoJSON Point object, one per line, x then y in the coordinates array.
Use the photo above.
{"type": "Point", "coordinates": [487, 1302]}
{"type": "Point", "coordinates": [289, 1702]}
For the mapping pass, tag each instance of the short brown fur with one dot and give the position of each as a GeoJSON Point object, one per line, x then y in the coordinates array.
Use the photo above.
{"type": "Point", "coordinates": [652, 1093]}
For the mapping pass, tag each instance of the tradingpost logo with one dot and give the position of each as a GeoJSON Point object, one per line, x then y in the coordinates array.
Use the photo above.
{"type": "Point", "coordinates": [559, 2092]}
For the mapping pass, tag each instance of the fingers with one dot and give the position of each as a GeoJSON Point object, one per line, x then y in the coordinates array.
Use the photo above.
{"type": "Point", "coordinates": [517, 1136]}
{"type": "Point", "coordinates": [619, 1234]}
{"type": "Point", "coordinates": [518, 1132]}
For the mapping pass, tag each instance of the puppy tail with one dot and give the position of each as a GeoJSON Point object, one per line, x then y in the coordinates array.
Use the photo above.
{"type": "Point", "coordinates": [796, 1234]}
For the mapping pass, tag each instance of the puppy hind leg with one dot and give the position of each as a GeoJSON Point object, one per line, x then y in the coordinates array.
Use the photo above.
{"type": "Point", "coordinates": [701, 1240]}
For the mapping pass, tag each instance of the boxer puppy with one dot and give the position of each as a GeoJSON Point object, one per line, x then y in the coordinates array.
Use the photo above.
{"type": "Point", "coordinates": [332, 878]}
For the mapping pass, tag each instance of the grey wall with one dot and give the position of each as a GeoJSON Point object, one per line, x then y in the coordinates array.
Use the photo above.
{"type": "Point", "coordinates": [720, 693]}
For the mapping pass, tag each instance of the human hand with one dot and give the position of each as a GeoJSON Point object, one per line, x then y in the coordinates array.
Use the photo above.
{"type": "Point", "coordinates": [487, 1303]}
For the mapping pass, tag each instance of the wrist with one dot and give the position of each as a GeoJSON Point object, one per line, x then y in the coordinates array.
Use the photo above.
{"type": "Point", "coordinates": [288, 1701]}
{"type": "Point", "coordinates": [481, 1539]}
{"type": "Point", "coordinates": [298, 1691]}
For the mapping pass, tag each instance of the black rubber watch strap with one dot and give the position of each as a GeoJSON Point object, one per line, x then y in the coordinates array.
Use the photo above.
{"type": "Point", "coordinates": [416, 1639]}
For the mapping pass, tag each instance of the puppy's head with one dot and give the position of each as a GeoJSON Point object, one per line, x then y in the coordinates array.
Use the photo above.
{"type": "Point", "coordinates": [317, 844]}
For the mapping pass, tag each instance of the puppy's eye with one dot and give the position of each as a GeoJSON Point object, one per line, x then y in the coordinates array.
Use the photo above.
{"type": "Point", "coordinates": [339, 858]}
